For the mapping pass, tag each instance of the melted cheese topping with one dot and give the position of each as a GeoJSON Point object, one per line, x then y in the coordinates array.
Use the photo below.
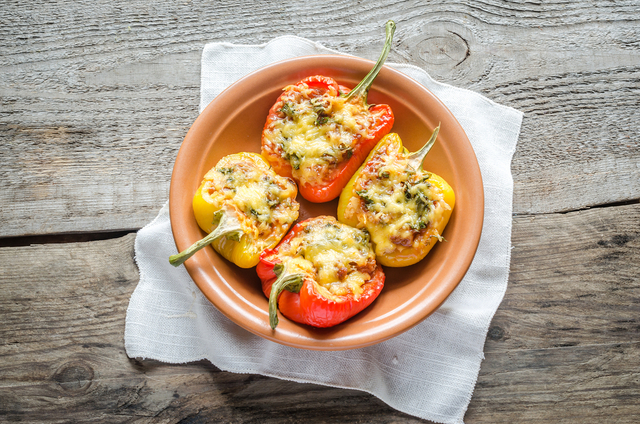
{"type": "Point", "coordinates": [263, 201]}
{"type": "Point", "coordinates": [396, 203]}
{"type": "Point", "coordinates": [316, 132]}
{"type": "Point", "coordinates": [338, 257]}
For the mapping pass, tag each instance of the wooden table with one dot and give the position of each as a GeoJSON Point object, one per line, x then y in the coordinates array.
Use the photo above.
{"type": "Point", "coordinates": [96, 97]}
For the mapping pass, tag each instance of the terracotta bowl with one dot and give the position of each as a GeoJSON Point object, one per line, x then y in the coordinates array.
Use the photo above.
{"type": "Point", "coordinates": [233, 122]}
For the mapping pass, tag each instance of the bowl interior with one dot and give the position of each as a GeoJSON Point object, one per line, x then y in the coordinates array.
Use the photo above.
{"type": "Point", "coordinates": [233, 122]}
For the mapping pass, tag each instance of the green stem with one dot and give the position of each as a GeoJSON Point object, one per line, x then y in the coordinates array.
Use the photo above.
{"type": "Point", "coordinates": [228, 226]}
{"type": "Point", "coordinates": [416, 158]}
{"type": "Point", "coordinates": [290, 282]}
{"type": "Point", "coordinates": [361, 90]}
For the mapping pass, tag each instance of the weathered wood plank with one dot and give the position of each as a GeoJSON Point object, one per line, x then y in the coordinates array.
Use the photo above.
{"type": "Point", "coordinates": [95, 98]}
{"type": "Point", "coordinates": [576, 277]}
{"type": "Point", "coordinates": [63, 358]}
{"type": "Point", "coordinates": [586, 383]}
{"type": "Point", "coordinates": [563, 347]}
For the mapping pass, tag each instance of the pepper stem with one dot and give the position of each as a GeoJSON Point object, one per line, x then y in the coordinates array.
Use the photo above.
{"type": "Point", "coordinates": [290, 282]}
{"type": "Point", "coordinates": [416, 158]}
{"type": "Point", "coordinates": [362, 89]}
{"type": "Point", "coordinates": [228, 226]}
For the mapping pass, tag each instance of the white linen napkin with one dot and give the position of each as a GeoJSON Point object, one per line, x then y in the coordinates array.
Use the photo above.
{"type": "Point", "coordinates": [429, 371]}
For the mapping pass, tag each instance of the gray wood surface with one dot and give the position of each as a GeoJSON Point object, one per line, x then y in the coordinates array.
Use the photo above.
{"type": "Point", "coordinates": [563, 347]}
{"type": "Point", "coordinates": [96, 96]}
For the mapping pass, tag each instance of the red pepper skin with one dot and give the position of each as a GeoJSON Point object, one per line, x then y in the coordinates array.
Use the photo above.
{"type": "Point", "coordinates": [308, 306]}
{"type": "Point", "coordinates": [383, 122]}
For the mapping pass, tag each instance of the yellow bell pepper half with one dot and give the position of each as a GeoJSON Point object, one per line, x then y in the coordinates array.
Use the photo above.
{"type": "Point", "coordinates": [404, 208]}
{"type": "Point", "coordinates": [245, 195]}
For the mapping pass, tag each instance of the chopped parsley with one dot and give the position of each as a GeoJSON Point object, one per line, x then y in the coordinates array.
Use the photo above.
{"type": "Point", "coordinates": [294, 160]}
{"type": "Point", "coordinates": [347, 151]}
{"type": "Point", "coordinates": [289, 109]}
{"type": "Point", "coordinates": [420, 225]}
{"type": "Point", "coordinates": [364, 195]}
{"type": "Point", "coordinates": [321, 120]}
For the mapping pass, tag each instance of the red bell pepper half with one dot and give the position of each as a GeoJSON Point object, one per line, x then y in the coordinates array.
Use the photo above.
{"type": "Point", "coordinates": [291, 273]}
{"type": "Point", "coordinates": [319, 132]}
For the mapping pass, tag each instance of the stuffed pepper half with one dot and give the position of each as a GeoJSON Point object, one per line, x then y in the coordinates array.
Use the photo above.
{"type": "Point", "coordinates": [321, 274]}
{"type": "Point", "coordinates": [245, 207]}
{"type": "Point", "coordinates": [404, 208]}
{"type": "Point", "coordinates": [319, 132]}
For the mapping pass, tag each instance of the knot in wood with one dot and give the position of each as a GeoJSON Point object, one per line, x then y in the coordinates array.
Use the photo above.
{"type": "Point", "coordinates": [74, 376]}
{"type": "Point", "coordinates": [496, 333]}
{"type": "Point", "coordinates": [447, 49]}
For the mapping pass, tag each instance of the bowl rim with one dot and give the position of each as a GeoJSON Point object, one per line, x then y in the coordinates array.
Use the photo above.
{"type": "Point", "coordinates": [226, 301]}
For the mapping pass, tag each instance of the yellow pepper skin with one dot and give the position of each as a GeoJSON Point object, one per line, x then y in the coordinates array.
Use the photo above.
{"type": "Point", "coordinates": [245, 251]}
{"type": "Point", "coordinates": [353, 204]}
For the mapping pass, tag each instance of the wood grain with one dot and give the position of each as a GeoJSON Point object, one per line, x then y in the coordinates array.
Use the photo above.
{"type": "Point", "coordinates": [95, 97]}
{"type": "Point", "coordinates": [563, 346]}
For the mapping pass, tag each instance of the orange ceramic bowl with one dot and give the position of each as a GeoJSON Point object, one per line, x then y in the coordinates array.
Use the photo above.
{"type": "Point", "coordinates": [233, 122]}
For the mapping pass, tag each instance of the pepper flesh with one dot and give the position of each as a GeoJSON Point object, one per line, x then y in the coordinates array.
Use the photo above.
{"type": "Point", "coordinates": [319, 132]}
{"type": "Point", "coordinates": [245, 185]}
{"type": "Point", "coordinates": [318, 301]}
{"type": "Point", "coordinates": [405, 209]}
